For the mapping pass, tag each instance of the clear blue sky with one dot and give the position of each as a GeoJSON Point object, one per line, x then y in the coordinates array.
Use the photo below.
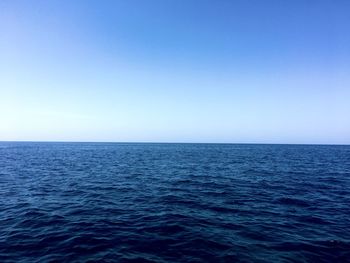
{"type": "Point", "coordinates": [175, 71]}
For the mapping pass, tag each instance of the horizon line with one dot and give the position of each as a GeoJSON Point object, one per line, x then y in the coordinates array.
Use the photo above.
{"type": "Point", "coordinates": [165, 142]}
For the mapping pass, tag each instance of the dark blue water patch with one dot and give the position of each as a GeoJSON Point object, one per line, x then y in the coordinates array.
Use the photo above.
{"type": "Point", "coordinates": [110, 202]}
{"type": "Point", "coordinates": [291, 201]}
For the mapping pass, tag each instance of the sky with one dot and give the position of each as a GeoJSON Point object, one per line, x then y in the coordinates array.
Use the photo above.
{"type": "Point", "coordinates": [243, 71]}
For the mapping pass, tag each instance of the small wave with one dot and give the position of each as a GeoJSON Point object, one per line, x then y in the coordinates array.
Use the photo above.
{"type": "Point", "coordinates": [293, 202]}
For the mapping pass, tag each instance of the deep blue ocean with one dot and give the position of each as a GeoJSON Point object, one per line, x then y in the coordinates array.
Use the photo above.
{"type": "Point", "coordinates": [130, 202]}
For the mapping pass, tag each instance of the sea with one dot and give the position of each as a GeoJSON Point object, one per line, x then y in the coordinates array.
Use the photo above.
{"type": "Point", "coordinates": [150, 202]}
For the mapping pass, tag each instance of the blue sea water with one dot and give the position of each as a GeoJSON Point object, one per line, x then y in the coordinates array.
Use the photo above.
{"type": "Point", "coordinates": [121, 202]}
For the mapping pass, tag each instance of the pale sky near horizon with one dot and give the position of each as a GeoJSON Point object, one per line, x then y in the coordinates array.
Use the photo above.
{"type": "Point", "coordinates": [175, 71]}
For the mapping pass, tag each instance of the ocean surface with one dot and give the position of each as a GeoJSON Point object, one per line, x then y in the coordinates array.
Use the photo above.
{"type": "Point", "coordinates": [121, 202]}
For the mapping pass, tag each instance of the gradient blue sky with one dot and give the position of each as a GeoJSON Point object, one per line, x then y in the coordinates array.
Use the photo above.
{"type": "Point", "coordinates": [175, 71]}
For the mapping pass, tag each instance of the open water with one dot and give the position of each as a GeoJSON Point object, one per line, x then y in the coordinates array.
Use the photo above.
{"type": "Point", "coordinates": [121, 202]}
